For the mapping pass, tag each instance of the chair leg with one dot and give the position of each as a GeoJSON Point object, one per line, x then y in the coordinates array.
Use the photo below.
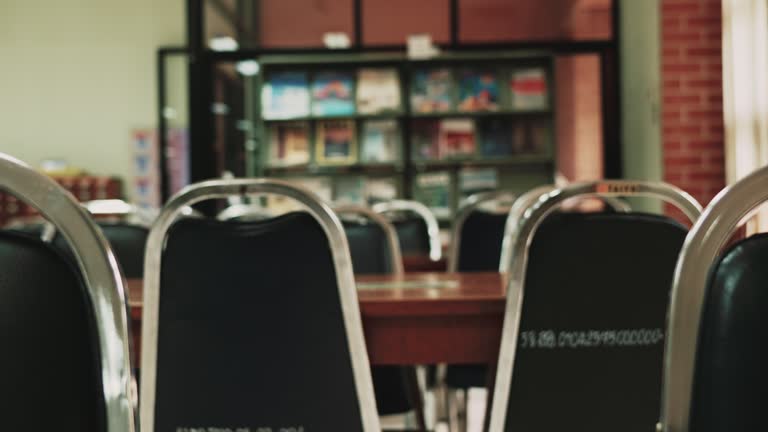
{"type": "Point", "coordinates": [416, 395]}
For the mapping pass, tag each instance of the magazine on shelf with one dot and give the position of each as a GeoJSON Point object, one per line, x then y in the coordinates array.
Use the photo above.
{"type": "Point", "coordinates": [333, 94]}
{"type": "Point", "coordinates": [424, 136]}
{"type": "Point", "coordinates": [528, 88]}
{"type": "Point", "coordinates": [496, 136]}
{"type": "Point", "coordinates": [380, 189]}
{"type": "Point", "coordinates": [431, 91]}
{"type": "Point", "coordinates": [285, 95]}
{"type": "Point", "coordinates": [381, 141]}
{"type": "Point", "coordinates": [457, 138]}
{"type": "Point", "coordinates": [378, 90]}
{"type": "Point", "coordinates": [289, 143]}
{"type": "Point", "coordinates": [476, 180]}
{"type": "Point", "coordinates": [336, 143]}
{"type": "Point", "coordinates": [478, 91]}
{"type": "Point", "coordinates": [434, 190]}
{"type": "Point", "coordinates": [350, 191]}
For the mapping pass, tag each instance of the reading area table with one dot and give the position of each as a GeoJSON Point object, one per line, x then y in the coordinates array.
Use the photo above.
{"type": "Point", "coordinates": [416, 318]}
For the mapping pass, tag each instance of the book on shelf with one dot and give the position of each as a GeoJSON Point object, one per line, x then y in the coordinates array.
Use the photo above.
{"type": "Point", "coordinates": [478, 91]}
{"type": "Point", "coordinates": [289, 143]}
{"type": "Point", "coordinates": [285, 95]}
{"type": "Point", "coordinates": [528, 88]}
{"type": "Point", "coordinates": [378, 90]}
{"type": "Point", "coordinates": [424, 136]}
{"type": "Point", "coordinates": [381, 141]}
{"type": "Point", "coordinates": [476, 180]}
{"type": "Point", "coordinates": [496, 136]}
{"type": "Point", "coordinates": [532, 137]}
{"type": "Point", "coordinates": [434, 190]}
{"type": "Point", "coordinates": [380, 189]}
{"type": "Point", "coordinates": [321, 186]}
{"type": "Point", "coordinates": [457, 138]}
{"type": "Point", "coordinates": [350, 190]}
{"type": "Point", "coordinates": [431, 91]}
{"type": "Point", "coordinates": [336, 142]}
{"type": "Point", "coordinates": [333, 93]}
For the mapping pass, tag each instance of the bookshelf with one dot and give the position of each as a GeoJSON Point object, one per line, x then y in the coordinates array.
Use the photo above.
{"type": "Point", "coordinates": [434, 130]}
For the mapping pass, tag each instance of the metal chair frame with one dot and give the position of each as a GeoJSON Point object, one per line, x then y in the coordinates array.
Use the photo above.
{"type": "Point", "coordinates": [102, 277]}
{"type": "Point", "coordinates": [533, 210]}
{"type": "Point", "coordinates": [337, 241]}
{"type": "Point", "coordinates": [433, 227]}
{"type": "Point", "coordinates": [702, 247]}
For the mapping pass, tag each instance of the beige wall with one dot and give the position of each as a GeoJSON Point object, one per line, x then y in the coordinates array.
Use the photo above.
{"type": "Point", "coordinates": [76, 76]}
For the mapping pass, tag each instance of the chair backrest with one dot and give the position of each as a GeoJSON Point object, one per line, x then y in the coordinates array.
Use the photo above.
{"type": "Point", "coordinates": [64, 329]}
{"type": "Point", "coordinates": [714, 370]}
{"type": "Point", "coordinates": [477, 233]}
{"type": "Point", "coordinates": [413, 232]}
{"type": "Point", "coordinates": [372, 240]}
{"type": "Point", "coordinates": [244, 212]}
{"type": "Point", "coordinates": [258, 323]}
{"type": "Point", "coordinates": [589, 332]}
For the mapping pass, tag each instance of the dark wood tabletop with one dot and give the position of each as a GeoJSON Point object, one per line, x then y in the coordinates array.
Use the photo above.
{"type": "Point", "coordinates": [419, 318]}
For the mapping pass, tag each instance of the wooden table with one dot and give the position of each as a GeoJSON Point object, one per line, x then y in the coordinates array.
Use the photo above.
{"type": "Point", "coordinates": [418, 318]}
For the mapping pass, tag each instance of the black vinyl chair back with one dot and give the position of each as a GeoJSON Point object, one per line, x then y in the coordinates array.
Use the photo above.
{"type": "Point", "coordinates": [731, 376]}
{"type": "Point", "coordinates": [50, 362]}
{"type": "Point", "coordinates": [416, 226]}
{"type": "Point", "coordinates": [413, 235]}
{"type": "Point", "coordinates": [368, 245]}
{"type": "Point", "coordinates": [65, 363]}
{"type": "Point", "coordinates": [480, 245]}
{"type": "Point", "coordinates": [590, 326]}
{"type": "Point", "coordinates": [251, 326]}
{"type": "Point", "coordinates": [714, 370]}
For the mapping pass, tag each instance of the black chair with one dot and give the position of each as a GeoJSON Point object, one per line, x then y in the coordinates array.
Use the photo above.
{"type": "Point", "coordinates": [582, 349]}
{"type": "Point", "coordinates": [417, 228]}
{"type": "Point", "coordinates": [715, 375]}
{"type": "Point", "coordinates": [374, 246]}
{"type": "Point", "coordinates": [64, 330]}
{"type": "Point", "coordinates": [258, 323]}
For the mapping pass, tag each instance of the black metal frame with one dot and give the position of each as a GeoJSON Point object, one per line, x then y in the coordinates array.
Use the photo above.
{"type": "Point", "coordinates": [201, 61]}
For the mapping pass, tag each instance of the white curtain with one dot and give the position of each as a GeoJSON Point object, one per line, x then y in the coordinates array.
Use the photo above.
{"type": "Point", "coordinates": [745, 91]}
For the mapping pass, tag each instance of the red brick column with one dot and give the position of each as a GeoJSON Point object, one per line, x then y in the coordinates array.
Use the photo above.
{"type": "Point", "coordinates": [692, 113]}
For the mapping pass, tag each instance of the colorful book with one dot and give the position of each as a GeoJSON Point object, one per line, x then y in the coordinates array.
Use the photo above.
{"type": "Point", "coordinates": [378, 90]}
{"type": "Point", "coordinates": [380, 189]}
{"type": "Point", "coordinates": [285, 95]}
{"type": "Point", "coordinates": [476, 180]}
{"type": "Point", "coordinates": [431, 91]}
{"type": "Point", "coordinates": [478, 91]}
{"type": "Point", "coordinates": [289, 143]}
{"type": "Point", "coordinates": [424, 137]}
{"type": "Point", "coordinates": [496, 136]}
{"type": "Point", "coordinates": [336, 142]}
{"type": "Point", "coordinates": [381, 141]}
{"type": "Point", "coordinates": [529, 89]}
{"type": "Point", "coordinates": [350, 191]}
{"type": "Point", "coordinates": [333, 94]}
{"type": "Point", "coordinates": [457, 139]}
{"type": "Point", "coordinates": [434, 190]}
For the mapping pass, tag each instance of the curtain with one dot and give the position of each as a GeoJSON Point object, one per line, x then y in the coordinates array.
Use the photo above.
{"type": "Point", "coordinates": [745, 92]}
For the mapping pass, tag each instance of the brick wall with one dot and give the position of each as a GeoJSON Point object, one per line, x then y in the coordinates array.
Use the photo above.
{"type": "Point", "coordinates": [692, 116]}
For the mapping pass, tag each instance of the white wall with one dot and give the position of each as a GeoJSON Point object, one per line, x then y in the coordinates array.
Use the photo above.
{"type": "Point", "coordinates": [76, 76]}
